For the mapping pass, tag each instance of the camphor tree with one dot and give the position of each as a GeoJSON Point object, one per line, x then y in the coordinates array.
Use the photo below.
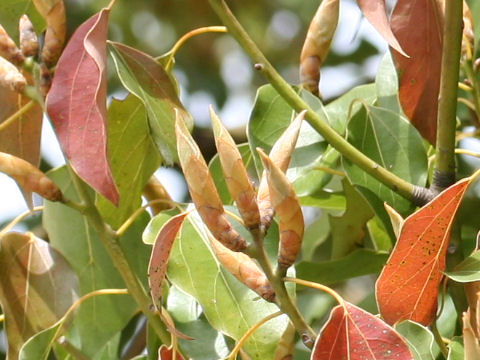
{"type": "Point", "coordinates": [242, 271]}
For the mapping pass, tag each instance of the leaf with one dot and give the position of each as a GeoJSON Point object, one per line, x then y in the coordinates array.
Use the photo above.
{"type": "Point", "coordinates": [419, 339]}
{"type": "Point", "coordinates": [354, 334]}
{"type": "Point", "coordinates": [415, 267]}
{"type": "Point", "coordinates": [358, 263]}
{"type": "Point", "coordinates": [166, 353]}
{"type": "Point", "coordinates": [325, 200]}
{"type": "Point", "coordinates": [132, 155]}
{"type": "Point", "coordinates": [386, 85]}
{"type": "Point", "coordinates": [76, 104]}
{"type": "Point", "coordinates": [10, 12]}
{"type": "Point", "coordinates": [69, 232]}
{"type": "Point", "coordinates": [349, 229]}
{"type": "Point", "coordinates": [455, 349]}
{"type": "Point", "coordinates": [468, 270]}
{"type": "Point", "coordinates": [229, 306]}
{"type": "Point", "coordinates": [157, 267]}
{"type": "Point", "coordinates": [420, 74]}
{"type": "Point", "coordinates": [146, 79]}
{"type": "Point", "coordinates": [388, 139]}
{"type": "Point", "coordinates": [376, 12]}
{"type": "Point", "coordinates": [37, 286]}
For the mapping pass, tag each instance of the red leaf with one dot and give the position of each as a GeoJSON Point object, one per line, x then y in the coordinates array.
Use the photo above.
{"type": "Point", "coordinates": [407, 288]}
{"type": "Point", "coordinates": [166, 353]}
{"type": "Point", "coordinates": [354, 334]}
{"type": "Point", "coordinates": [418, 26]}
{"type": "Point", "coordinates": [376, 13]}
{"type": "Point", "coordinates": [157, 267]}
{"type": "Point", "coordinates": [76, 104]}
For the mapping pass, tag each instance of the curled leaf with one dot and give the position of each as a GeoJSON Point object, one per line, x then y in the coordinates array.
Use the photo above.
{"type": "Point", "coordinates": [76, 105]}
{"type": "Point", "coordinates": [415, 267]}
{"type": "Point", "coordinates": [244, 269]}
{"type": "Point", "coordinates": [290, 217]}
{"type": "Point", "coordinates": [28, 37]}
{"type": "Point", "coordinates": [29, 177]}
{"type": "Point", "coordinates": [280, 155]}
{"type": "Point", "coordinates": [317, 43]}
{"type": "Point", "coordinates": [11, 77]}
{"type": "Point", "coordinates": [395, 218]}
{"type": "Point", "coordinates": [354, 334]}
{"type": "Point", "coordinates": [236, 177]}
{"type": "Point", "coordinates": [203, 192]}
{"type": "Point", "coordinates": [8, 48]}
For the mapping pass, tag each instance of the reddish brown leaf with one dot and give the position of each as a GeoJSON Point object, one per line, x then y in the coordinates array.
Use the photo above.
{"type": "Point", "coordinates": [376, 13]}
{"type": "Point", "coordinates": [77, 108]}
{"type": "Point", "coordinates": [166, 353]}
{"type": "Point", "coordinates": [354, 334]}
{"type": "Point", "coordinates": [418, 26]}
{"type": "Point", "coordinates": [157, 266]}
{"type": "Point", "coordinates": [407, 288]}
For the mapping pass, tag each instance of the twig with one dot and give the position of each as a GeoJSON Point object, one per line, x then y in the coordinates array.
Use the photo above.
{"type": "Point", "coordinates": [15, 116]}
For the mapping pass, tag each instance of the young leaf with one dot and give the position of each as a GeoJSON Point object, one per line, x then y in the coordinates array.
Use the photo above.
{"type": "Point", "coordinates": [418, 26]}
{"type": "Point", "coordinates": [43, 289]}
{"type": "Point", "coordinates": [407, 288]}
{"type": "Point", "coordinates": [145, 78]}
{"type": "Point", "coordinates": [352, 333]}
{"type": "Point", "coordinates": [76, 105]}
{"type": "Point", "coordinates": [376, 13]}
{"type": "Point", "coordinates": [157, 267]}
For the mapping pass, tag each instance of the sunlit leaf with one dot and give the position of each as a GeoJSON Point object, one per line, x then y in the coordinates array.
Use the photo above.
{"type": "Point", "coordinates": [386, 85]}
{"type": "Point", "coordinates": [76, 104]}
{"type": "Point", "coordinates": [419, 74]}
{"type": "Point", "coordinates": [352, 333]}
{"type": "Point", "coordinates": [37, 286]}
{"type": "Point", "coordinates": [145, 78]}
{"type": "Point", "coordinates": [415, 267]}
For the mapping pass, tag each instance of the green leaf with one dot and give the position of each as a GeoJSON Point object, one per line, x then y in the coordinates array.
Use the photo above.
{"type": "Point", "coordinates": [386, 84]}
{"type": "Point", "coordinates": [349, 230]}
{"type": "Point", "coordinates": [455, 349]}
{"type": "Point", "coordinates": [391, 141]}
{"type": "Point", "coordinates": [37, 286]}
{"type": "Point", "coordinates": [315, 235]}
{"type": "Point", "coordinates": [146, 79]}
{"type": "Point", "coordinates": [10, 12]}
{"type": "Point", "coordinates": [69, 232]}
{"type": "Point", "coordinates": [155, 224]}
{"type": "Point", "coordinates": [468, 270]}
{"type": "Point", "coordinates": [358, 263]}
{"type": "Point", "coordinates": [229, 306]}
{"type": "Point", "coordinates": [419, 339]}
{"type": "Point", "coordinates": [132, 155]}
{"type": "Point", "coordinates": [325, 200]}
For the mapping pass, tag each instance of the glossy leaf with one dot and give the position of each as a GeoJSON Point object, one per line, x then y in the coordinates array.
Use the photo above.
{"type": "Point", "coordinates": [10, 12]}
{"type": "Point", "coordinates": [157, 267]}
{"type": "Point", "coordinates": [132, 155]}
{"type": "Point", "coordinates": [229, 306]}
{"type": "Point", "coordinates": [375, 11]}
{"type": "Point", "coordinates": [418, 338]}
{"type": "Point", "coordinates": [349, 230]}
{"type": "Point", "coordinates": [352, 333]}
{"type": "Point", "coordinates": [419, 74]}
{"type": "Point", "coordinates": [358, 263]}
{"type": "Point", "coordinates": [387, 138]}
{"type": "Point", "coordinates": [43, 287]}
{"type": "Point", "coordinates": [69, 232]}
{"type": "Point", "coordinates": [145, 78]}
{"type": "Point", "coordinates": [415, 267]}
{"type": "Point", "coordinates": [76, 105]}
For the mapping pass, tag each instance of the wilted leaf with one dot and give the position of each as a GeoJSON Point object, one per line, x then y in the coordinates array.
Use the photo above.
{"type": "Point", "coordinates": [76, 104]}
{"type": "Point", "coordinates": [37, 286]}
{"type": "Point", "coordinates": [415, 267]}
{"type": "Point", "coordinates": [376, 12]}
{"type": "Point", "coordinates": [349, 229]}
{"type": "Point", "coordinates": [157, 267]}
{"type": "Point", "coordinates": [418, 26]}
{"type": "Point", "coordinates": [145, 78]}
{"type": "Point", "coordinates": [133, 158]}
{"type": "Point", "coordinates": [352, 333]}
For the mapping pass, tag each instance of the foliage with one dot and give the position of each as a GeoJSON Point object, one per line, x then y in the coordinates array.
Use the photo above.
{"type": "Point", "coordinates": [327, 194]}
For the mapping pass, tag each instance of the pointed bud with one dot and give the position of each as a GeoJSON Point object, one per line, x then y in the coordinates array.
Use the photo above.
{"type": "Point", "coordinates": [289, 212]}
{"type": "Point", "coordinates": [8, 48]}
{"type": "Point", "coordinates": [202, 190]}
{"type": "Point", "coordinates": [28, 37]}
{"type": "Point", "coordinates": [11, 77]}
{"type": "Point", "coordinates": [244, 269]}
{"type": "Point", "coordinates": [280, 155]}
{"type": "Point", "coordinates": [317, 43]}
{"type": "Point", "coordinates": [29, 177]}
{"type": "Point", "coordinates": [236, 177]}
